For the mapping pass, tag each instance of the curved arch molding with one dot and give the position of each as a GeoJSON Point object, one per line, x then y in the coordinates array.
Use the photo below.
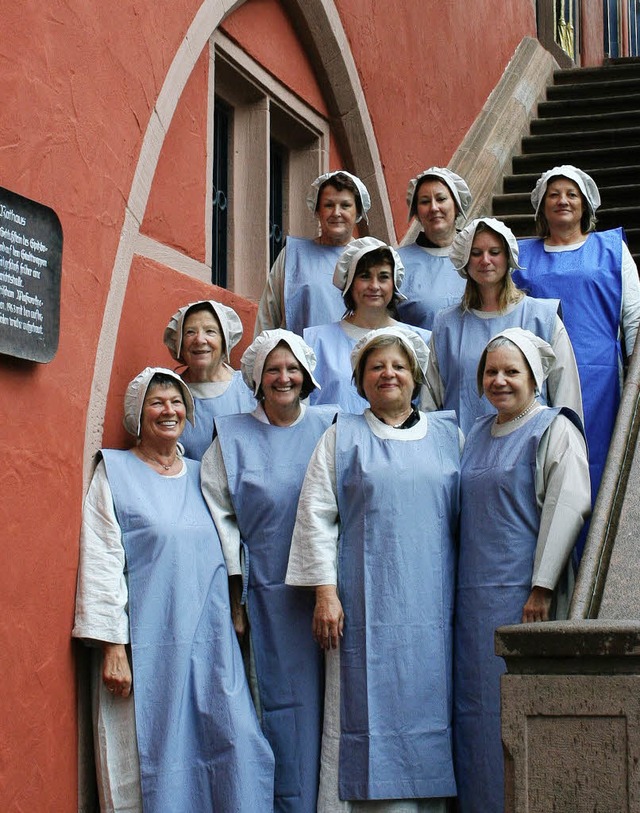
{"type": "Point", "coordinates": [320, 28]}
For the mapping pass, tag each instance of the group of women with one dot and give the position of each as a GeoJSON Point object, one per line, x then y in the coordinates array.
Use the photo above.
{"type": "Point", "coordinates": [305, 620]}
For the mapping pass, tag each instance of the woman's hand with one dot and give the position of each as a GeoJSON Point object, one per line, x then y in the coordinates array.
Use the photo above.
{"type": "Point", "coordinates": [238, 610]}
{"type": "Point", "coordinates": [328, 617]}
{"type": "Point", "coordinates": [116, 671]}
{"type": "Point", "coordinates": [537, 606]}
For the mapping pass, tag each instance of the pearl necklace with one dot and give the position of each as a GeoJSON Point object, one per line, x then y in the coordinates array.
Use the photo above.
{"type": "Point", "coordinates": [521, 415]}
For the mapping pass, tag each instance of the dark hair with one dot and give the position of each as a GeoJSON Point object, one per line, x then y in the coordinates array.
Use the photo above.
{"type": "Point", "coordinates": [379, 256]}
{"type": "Point", "coordinates": [376, 344]}
{"type": "Point", "coordinates": [164, 380]}
{"type": "Point", "coordinates": [509, 293]}
{"type": "Point", "coordinates": [340, 182]}
{"type": "Point", "coordinates": [587, 220]}
{"type": "Point", "coordinates": [307, 384]}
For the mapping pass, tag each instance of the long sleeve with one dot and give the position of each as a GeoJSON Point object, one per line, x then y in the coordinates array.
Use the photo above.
{"type": "Point", "coordinates": [271, 313]}
{"type": "Point", "coordinates": [564, 496]}
{"type": "Point", "coordinates": [102, 595]}
{"type": "Point", "coordinates": [432, 394]}
{"type": "Point", "coordinates": [630, 311]}
{"type": "Point", "coordinates": [215, 489]}
{"type": "Point", "coordinates": [563, 383]}
{"type": "Point", "coordinates": [314, 546]}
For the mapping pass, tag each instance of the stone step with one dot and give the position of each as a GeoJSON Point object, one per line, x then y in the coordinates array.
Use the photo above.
{"type": "Point", "coordinates": [586, 159]}
{"type": "Point", "coordinates": [618, 119]}
{"type": "Point", "coordinates": [577, 140]}
{"type": "Point", "coordinates": [587, 106]}
{"type": "Point", "coordinates": [587, 90]}
{"type": "Point", "coordinates": [615, 71]}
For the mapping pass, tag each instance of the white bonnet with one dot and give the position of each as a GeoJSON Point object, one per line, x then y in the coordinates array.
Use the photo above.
{"type": "Point", "coordinates": [411, 341]}
{"type": "Point", "coordinates": [461, 246]}
{"type": "Point", "coordinates": [538, 353]}
{"type": "Point", "coordinates": [585, 183]}
{"type": "Point", "coordinates": [137, 391]}
{"type": "Point", "coordinates": [229, 322]}
{"type": "Point", "coordinates": [456, 185]}
{"type": "Point", "coordinates": [254, 357]}
{"type": "Point", "coordinates": [365, 200]}
{"type": "Point", "coordinates": [346, 266]}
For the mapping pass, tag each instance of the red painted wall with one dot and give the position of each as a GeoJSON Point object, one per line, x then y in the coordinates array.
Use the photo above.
{"type": "Point", "coordinates": [78, 84]}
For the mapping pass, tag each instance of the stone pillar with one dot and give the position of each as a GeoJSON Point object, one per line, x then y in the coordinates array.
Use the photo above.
{"type": "Point", "coordinates": [570, 705]}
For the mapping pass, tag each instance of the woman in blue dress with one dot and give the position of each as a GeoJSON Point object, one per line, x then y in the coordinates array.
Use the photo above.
{"type": "Point", "coordinates": [440, 200]}
{"type": "Point", "coordinates": [525, 495]}
{"type": "Point", "coordinates": [173, 718]}
{"type": "Point", "coordinates": [369, 273]}
{"type": "Point", "coordinates": [374, 537]}
{"type": "Point", "coordinates": [251, 479]}
{"type": "Point", "coordinates": [485, 253]}
{"type": "Point", "coordinates": [595, 278]}
{"type": "Point", "coordinates": [201, 336]}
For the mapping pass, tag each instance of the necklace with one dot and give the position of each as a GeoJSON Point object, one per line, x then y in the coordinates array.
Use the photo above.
{"type": "Point", "coordinates": [523, 413]}
{"type": "Point", "coordinates": [158, 462]}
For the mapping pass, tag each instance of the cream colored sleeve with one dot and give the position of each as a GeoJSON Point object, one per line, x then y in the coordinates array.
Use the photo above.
{"type": "Point", "coordinates": [215, 489]}
{"type": "Point", "coordinates": [314, 546]}
{"type": "Point", "coordinates": [563, 492]}
{"type": "Point", "coordinates": [102, 595]}
{"type": "Point", "coordinates": [630, 307]}
{"type": "Point", "coordinates": [563, 383]}
{"type": "Point", "coordinates": [432, 394]}
{"type": "Point", "coordinates": [271, 313]}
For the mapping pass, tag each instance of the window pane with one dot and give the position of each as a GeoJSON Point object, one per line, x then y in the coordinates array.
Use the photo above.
{"type": "Point", "coordinates": [220, 209]}
{"type": "Point", "coordinates": [276, 195]}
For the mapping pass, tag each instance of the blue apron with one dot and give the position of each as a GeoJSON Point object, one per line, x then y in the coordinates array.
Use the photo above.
{"type": "Point", "coordinates": [431, 284]}
{"type": "Point", "coordinates": [461, 336]}
{"type": "Point", "coordinates": [333, 346]}
{"type": "Point", "coordinates": [236, 398]}
{"type": "Point", "coordinates": [398, 506]}
{"type": "Point", "coordinates": [310, 297]}
{"type": "Point", "coordinates": [199, 740]}
{"type": "Point", "coordinates": [265, 468]}
{"type": "Point", "coordinates": [499, 524]}
{"type": "Point", "coordinates": [588, 282]}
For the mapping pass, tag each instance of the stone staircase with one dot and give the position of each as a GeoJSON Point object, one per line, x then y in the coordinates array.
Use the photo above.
{"type": "Point", "coordinates": [591, 118]}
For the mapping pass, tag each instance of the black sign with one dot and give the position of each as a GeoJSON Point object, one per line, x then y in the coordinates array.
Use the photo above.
{"type": "Point", "coordinates": [30, 266]}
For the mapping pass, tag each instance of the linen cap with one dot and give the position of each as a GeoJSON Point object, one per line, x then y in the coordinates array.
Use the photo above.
{"type": "Point", "coordinates": [254, 357]}
{"type": "Point", "coordinates": [229, 322]}
{"type": "Point", "coordinates": [137, 391]}
{"type": "Point", "coordinates": [365, 199]}
{"type": "Point", "coordinates": [461, 247]}
{"type": "Point", "coordinates": [456, 185]}
{"type": "Point", "coordinates": [411, 341]}
{"type": "Point", "coordinates": [538, 353]}
{"type": "Point", "coordinates": [585, 183]}
{"type": "Point", "coordinates": [346, 266]}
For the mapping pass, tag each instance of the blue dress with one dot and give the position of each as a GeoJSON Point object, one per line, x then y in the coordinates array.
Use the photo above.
{"type": "Point", "coordinates": [199, 741]}
{"type": "Point", "coordinates": [396, 582]}
{"type": "Point", "coordinates": [588, 282]}
{"type": "Point", "coordinates": [265, 467]}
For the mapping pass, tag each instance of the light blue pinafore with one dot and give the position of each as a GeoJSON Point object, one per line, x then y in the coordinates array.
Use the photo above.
{"type": "Point", "coordinates": [236, 398]}
{"type": "Point", "coordinates": [310, 297]}
{"type": "Point", "coordinates": [199, 740]}
{"type": "Point", "coordinates": [460, 337]}
{"type": "Point", "coordinates": [265, 467]}
{"type": "Point", "coordinates": [430, 284]}
{"type": "Point", "coordinates": [398, 506]}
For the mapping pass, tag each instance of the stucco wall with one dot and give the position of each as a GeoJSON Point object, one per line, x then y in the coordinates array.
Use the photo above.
{"type": "Point", "coordinates": [79, 83]}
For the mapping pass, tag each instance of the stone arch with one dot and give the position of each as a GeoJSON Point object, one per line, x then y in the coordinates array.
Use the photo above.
{"type": "Point", "coordinates": [320, 28]}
